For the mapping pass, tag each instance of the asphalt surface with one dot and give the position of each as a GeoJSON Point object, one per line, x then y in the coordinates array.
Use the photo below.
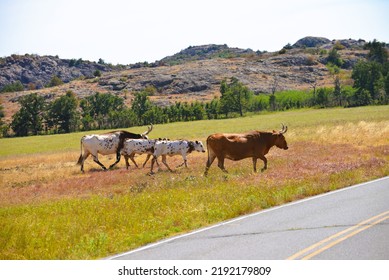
{"type": "Point", "coordinates": [352, 223]}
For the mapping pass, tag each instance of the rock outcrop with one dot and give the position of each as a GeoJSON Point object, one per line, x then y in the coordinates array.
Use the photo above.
{"type": "Point", "coordinates": [311, 42]}
{"type": "Point", "coordinates": [35, 71]}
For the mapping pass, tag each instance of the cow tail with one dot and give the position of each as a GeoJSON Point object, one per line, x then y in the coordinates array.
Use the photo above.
{"type": "Point", "coordinates": [80, 158]}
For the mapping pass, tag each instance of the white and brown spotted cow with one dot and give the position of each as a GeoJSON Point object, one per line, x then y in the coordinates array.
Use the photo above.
{"type": "Point", "coordinates": [106, 144]}
{"type": "Point", "coordinates": [171, 148]}
{"type": "Point", "coordinates": [133, 147]}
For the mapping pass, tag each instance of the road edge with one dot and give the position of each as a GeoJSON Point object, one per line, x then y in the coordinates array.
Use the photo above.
{"type": "Point", "coordinates": [169, 239]}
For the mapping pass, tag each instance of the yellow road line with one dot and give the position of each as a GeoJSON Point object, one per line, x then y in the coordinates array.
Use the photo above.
{"type": "Point", "coordinates": [309, 252]}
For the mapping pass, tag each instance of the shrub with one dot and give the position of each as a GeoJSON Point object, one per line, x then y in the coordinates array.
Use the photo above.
{"type": "Point", "coordinates": [55, 81]}
{"type": "Point", "coordinates": [15, 86]}
{"type": "Point", "coordinates": [334, 58]}
{"type": "Point", "coordinates": [97, 73]}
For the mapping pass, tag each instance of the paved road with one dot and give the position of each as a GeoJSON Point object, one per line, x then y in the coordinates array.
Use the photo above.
{"type": "Point", "coordinates": [351, 223]}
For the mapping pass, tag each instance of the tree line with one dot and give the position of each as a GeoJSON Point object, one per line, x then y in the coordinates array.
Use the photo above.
{"type": "Point", "coordinates": [108, 111]}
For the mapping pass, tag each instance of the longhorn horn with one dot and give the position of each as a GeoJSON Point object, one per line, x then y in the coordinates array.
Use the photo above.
{"type": "Point", "coordinates": [149, 129]}
{"type": "Point", "coordinates": [284, 129]}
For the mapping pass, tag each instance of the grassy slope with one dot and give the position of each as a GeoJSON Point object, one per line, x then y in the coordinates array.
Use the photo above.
{"type": "Point", "coordinates": [51, 211]}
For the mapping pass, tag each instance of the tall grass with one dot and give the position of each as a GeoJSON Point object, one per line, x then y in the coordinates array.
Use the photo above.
{"type": "Point", "coordinates": [49, 210]}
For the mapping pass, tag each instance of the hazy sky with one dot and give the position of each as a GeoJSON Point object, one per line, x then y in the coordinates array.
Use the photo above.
{"type": "Point", "coordinates": [121, 31]}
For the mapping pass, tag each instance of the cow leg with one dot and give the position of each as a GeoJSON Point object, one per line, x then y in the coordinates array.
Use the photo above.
{"type": "Point", "coordinates": [82, 160]}
{"type": "Point", "coordinates": [117, 160]}
{"type": "Point", "coordinates": [165, 163]}
{"type": "Point", "coordinates": [127, 163]}
{"type": "Point", "coordinates": [184, 162]}
{"type": "Point", "coordinates": [126, 157]}
{"type": "Point", "coordinates": [147, 159]}
{"type": "Point", "coordinates": [152, 164]}
{"type": "Point", "coordinates": [96, 159]}
{"type": "Point", "coordinates": [133, 160]}
{"type": "Point", "coordinates": [186, 165]}
{"type": "Point", "coordinates": [264, 161]}
{"type": "Point", "coordinates": [220, 163]}
{"type": "Point", "coordinates": [210, 160]}
{"type": "Point", "coordinates": [255, 164]}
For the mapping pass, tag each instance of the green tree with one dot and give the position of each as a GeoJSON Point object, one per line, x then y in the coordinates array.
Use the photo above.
{"type": "Point", "coordinates": [361, 97]}
{"type": "Point", "coordinates": [273, 102]}
{"type": "Point", "coordinates": [122, 118]}
{"type": "Point", "coordinates": [198, 110]}
{"type": "Point", "coordinates": [87, 122]}
{"type": "Point", "coordinates": [322, 97]}
{"type": "Point", "coordinates": [371, 76]}
{"type": "Point", "coordinates": [212, 109]}
{"type": "Point", "coordinates": [97, 108]}
{"type": "Point", "coordinates": [154, 115]}
{"type": "Point", "coordinates": [186, 112]}
{"type": "Point", "coordinates": [368, 76]}
{"type": "Point", "coordinates": [63, 113]}
{"type": "Point", "coordinates": [29, 118]}
{"type": "Point", "coordinates": [377, 52]}
{"type": "Point", "coordinates": [334, 58]}
{"type": "Point", "coordinates": [172, 113]}
{"type": "Point", "coordinates": [338, 96]}
{"type": "Point", "coordinates": [140, 106]}
{"type": "Point", "coordinates": [386, 85]}
{"type": "Point", "coordinates": [235, 97]}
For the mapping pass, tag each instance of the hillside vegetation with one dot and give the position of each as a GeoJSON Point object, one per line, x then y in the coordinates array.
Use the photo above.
{"type": "Point", "coordinates": [50, 210]}
{"type": "Point", "coordinates": [193, 74]}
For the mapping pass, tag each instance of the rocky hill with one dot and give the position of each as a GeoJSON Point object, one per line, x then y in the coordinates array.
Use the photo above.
{"type": "Point", "coordinates": [203, 52]}
{"type": "Point", "coordinates": [192, 74]}
{"type": "Point", "coordinates": [37, 71]}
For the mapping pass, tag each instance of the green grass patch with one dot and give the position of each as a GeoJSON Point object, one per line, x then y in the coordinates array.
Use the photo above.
{"type": "Point", "coordinates": [201, 129]}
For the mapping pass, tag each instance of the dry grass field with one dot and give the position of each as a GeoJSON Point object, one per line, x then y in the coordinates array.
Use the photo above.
{"type": "Point", "coordinates": [50, 210]}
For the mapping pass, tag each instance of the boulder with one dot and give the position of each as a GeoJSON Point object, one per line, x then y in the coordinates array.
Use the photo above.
{"type": "Point", "coordinates": [311, 42]}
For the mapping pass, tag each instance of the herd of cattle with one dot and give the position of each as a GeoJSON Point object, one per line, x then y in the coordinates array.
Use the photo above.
{"type": "Point", "coordinates": [253, 144]}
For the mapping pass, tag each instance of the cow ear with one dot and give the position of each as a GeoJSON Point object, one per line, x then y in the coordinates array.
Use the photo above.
{"type": "Point", "coordinates": [197, 142]}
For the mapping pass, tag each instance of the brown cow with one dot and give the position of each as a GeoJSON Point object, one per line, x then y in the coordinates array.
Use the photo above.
{"type": "Point", "coordinates": [254, 144]}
